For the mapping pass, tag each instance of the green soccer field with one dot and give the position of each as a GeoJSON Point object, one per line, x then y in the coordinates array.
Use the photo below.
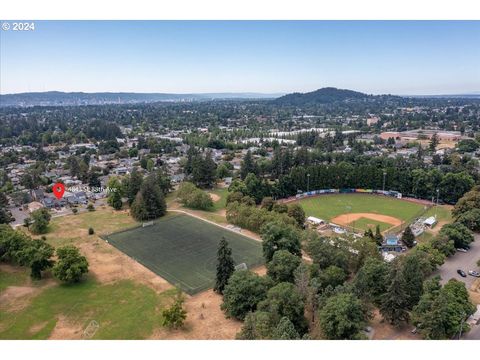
{"type": "Point", "coordinates": [329, 206]}
{"type": "Point", "coordinates": [183, 250]}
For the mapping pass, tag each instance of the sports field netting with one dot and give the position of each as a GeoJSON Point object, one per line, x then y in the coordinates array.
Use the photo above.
{"type": "Point", "coordinates": [183, 250]}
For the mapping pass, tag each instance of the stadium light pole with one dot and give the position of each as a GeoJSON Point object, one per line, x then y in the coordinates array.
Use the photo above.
{"type": "Point", "coordinates": [308, 182]}
{"type": "Point", "coordinates": [384, 175]}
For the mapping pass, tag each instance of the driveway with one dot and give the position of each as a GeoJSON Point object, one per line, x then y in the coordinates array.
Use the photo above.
{"type": "Point", "coordinates": [465, 261]}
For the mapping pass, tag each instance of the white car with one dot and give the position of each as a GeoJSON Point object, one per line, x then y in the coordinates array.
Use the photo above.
{"type": "Point", "coordinates": [474, 273]}
{"type": "Point", "coordinates": [462, 250]}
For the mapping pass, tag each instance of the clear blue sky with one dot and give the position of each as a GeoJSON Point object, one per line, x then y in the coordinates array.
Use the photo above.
{"type": "Point", "coordinates": [429, 57]}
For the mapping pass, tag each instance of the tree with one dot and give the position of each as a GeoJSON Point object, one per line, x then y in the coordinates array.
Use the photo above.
{"type": "Point", "coordinates": [458, 233]}
{"type": "Point", "coordinates": [41, 219]}
{"type": "Point", "coordinates": [343, 317]}
{"type": "Point", "coordinates": [285, 330]}
{"type": "Point", "coordinates": [282, 266]}
{"type": "Point", "coordinates": [471, 219]}
{"type": "Point", "coordinates": [324, 252]}
{"type": "Point", "coordinates": [394, 306]}
{"type": "Point", "coordinates": [413, 275]}
{"type": "Point", "coordinates": [331, 276]}
{"type": "Point", "coordinates": [225, 265]}
{"type": "Point", "coordinates": [365, 248]}
{"type": "Point", "coordinates": [256, 326]}
{"type": "Point", "coordinates": [12, 242]}
{"type": "Point", "coordinates": [441, 312]}
{"type": "Point", "coordinates": [469, 201]}
{"type": "Point", "coordinates": [297, 212]}
{"type": "Point", "coordinates": [223, 171]}
{"type": "Point", "coordinates": [132, 185]}
{"type": "Point", "coordinates": [114, 194]}
{"type": "Point", "coordinates": [280, 236]}
{"type": "Point", "coordinates": [454, 185]}
{"type": "Point", "coordinates": [193, 197]}
{"type": "Point", "coordinates": [434, 141]}
{"type": "Point", "coordinates": [248, 166]}
{"type": "Point", "coordinates": [443, 244]}
{"type": "Point", "coordinates": [267, 203]}
{"type": "Point", "coordinates": [150, 202]}
{"type": "Point", "coordinates": [243, 292]}
{"type": "Point", "coordinates": [408, 238]}
{"type": "Point", "coordinates": [203, 170]}
{"type": "Point", "coordinates": [71, 265]}
{"type": "Point", "coordinates": [283, 300]}
{"type": "Point", "coordinates": [174, 316]}
{"type": "Point", "coordinates": [37, 254]}
{"type": "Point", "coordinates": [378, 236]}
{"type": "Point", "coordinates": [371, 281]}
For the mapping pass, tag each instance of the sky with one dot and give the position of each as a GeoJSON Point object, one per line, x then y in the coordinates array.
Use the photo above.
{"type": "Point", "coordinates": [375, 57]}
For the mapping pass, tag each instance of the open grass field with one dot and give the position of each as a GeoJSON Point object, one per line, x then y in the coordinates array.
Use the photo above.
{"type": "Point", "coordinates": [123, 310]}
{"type": "Point", "coordinates": [182, 249]}
{"type": "Point", "coordinates": [328, 207]}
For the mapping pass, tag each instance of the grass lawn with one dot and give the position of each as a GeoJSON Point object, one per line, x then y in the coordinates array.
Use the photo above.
{"type": "Point", "coordinates": [182, 249]}
{"type": "Point", "coordinates": [329, 206]}
{"type": "Point", "coordinates": [365, 224]}
{"type": "Point", "coordinates": [72, 229]}
{"type": "Point", "coordinates": [123, 310]}
{"type": "Point", "coordinates": [13, 278]}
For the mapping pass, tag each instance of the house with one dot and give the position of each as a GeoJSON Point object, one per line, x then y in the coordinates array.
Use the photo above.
{"type": "Point", "coordinates": [50, 202]}
{"type": "Point", "coordinates": [38, 194]}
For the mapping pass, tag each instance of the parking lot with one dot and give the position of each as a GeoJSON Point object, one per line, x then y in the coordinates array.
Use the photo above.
{"type": "Point", "coordinates": [465, 261]}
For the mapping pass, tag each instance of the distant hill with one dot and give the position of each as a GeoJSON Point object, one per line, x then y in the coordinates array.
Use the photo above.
{"type": "Point", "coordinates": [58, 98]}
{"type": "Point", "coordinates": [321, 96]}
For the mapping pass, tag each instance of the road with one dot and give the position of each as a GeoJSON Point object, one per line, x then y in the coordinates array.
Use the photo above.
{"type": "Point", "coordinates": [465, 261]}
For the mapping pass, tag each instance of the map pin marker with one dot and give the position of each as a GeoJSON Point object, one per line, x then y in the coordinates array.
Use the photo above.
{"type": "Point", "coordinates": [58, 190]}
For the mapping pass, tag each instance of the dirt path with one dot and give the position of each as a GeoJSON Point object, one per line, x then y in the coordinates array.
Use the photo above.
{"type": "Point", "coordinates": [347, 219]}
{"type": "Point", "coordinates": [214, 197]}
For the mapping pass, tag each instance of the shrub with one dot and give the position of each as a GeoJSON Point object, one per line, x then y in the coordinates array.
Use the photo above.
{"type": "Point", "coordinates": [91, 231]}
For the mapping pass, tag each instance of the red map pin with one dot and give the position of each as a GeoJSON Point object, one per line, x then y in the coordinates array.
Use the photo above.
{"type": "Point", "coordinates": [58, 190]}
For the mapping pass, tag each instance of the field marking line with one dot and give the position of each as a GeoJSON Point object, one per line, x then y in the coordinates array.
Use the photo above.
{"type": "Point", "coordinates": [214, 223]}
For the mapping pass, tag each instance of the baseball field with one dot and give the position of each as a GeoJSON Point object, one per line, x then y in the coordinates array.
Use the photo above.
{"type": "Point", "coordinates": [183, 249]}
{"type": "Point", "coordinates": [362, 211]}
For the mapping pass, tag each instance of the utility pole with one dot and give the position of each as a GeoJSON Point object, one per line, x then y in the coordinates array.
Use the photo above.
{"type": "Point", "coordinates": [384, 175]}
{"type": "Point", "coordinates": [436, 207]}
{"type": "Point", "coordinates": [308, 182]}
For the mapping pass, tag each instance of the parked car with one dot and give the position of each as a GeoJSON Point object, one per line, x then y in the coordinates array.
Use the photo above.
{"type": "Point", "coordinates": [461, 250]}
{"type": "Point", "coordinates": [461, 273]}
{"type": "Point", "coordinates": [474, 273]}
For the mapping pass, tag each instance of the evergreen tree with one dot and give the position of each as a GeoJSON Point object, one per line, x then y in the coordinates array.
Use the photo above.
{"type": "Point", "coordinates": [132, 185]}
{"type": "Point", "coordinates": [394, 306]}
{"type": "Point", "coordinates": [149, 203]}
{"type": "Point", "coordinates": [408, 238]}
{"type": "Point", "coordinates": [378, 236]}
{"type": "Point", "coordinates": [285, 330]}
{"type": "Point", "coordinates": [248, 166]}
{"type": "Point", "coordinates": [225, 265]}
